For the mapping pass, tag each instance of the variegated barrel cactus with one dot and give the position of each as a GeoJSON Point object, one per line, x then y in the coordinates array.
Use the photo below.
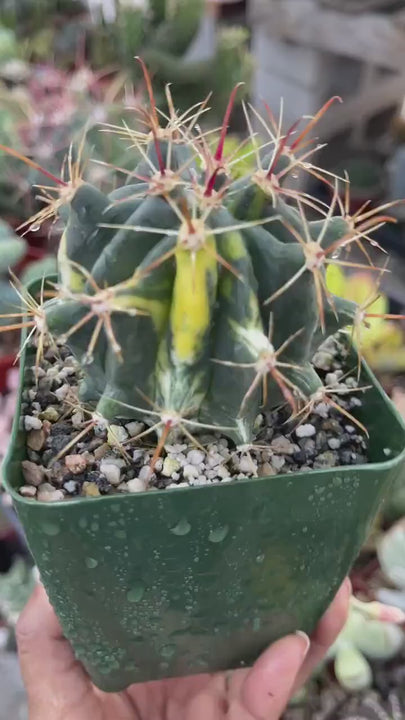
{"type": "Point", "coordinates": [193, 300]}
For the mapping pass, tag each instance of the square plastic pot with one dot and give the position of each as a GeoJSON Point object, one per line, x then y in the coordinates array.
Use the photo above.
{"type": "Point", "coordinates": [171, 583]}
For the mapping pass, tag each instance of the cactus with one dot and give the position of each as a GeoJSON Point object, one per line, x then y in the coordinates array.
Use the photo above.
{"type": "Point", "coordinates": [193, 300]}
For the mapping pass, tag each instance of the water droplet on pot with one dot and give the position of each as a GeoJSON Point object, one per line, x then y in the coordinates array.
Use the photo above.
{"type": "Point", "coordinates": [256, 624]}
{"type": "Point", "coordinates": [136, 593]}
{"type": "Point", "coordinates": [167, 651]}
{"type": "Point", "coordinates": [83, 522]}
{"type": "Point", "coordinates": [183, 527]}
{"type": "Point", "coordinates": [94, 526]}
{"type": "Point", "coordinates": [164, 665]}
{"type": "Point", "coordinates": [91, 563]}
{"type": "Point", "coordinates": [35, 227]}
{"type": "Point", "coordinates": [50, 529]}
{"type": "Point", "coordinates": [219, 534]}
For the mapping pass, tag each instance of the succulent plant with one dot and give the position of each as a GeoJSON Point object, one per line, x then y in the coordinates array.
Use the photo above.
{"type": "Point", "coordinates": [382, 340]}
{"type": "Point", "coordinates": [371, 633]}
{"type": "Point", "coordinates": [391, 555]}
{"type": "Point", "coordinates": [193, 300]}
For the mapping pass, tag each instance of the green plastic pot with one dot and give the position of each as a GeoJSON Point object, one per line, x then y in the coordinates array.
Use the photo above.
{"type": "Point", "coordinates": [165, 584]}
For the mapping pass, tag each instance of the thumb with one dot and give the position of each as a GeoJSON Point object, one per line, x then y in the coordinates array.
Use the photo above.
{"type": "Point", "coordinates": [268, 685]}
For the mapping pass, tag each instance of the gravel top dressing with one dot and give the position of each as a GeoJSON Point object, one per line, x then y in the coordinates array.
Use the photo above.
{"type": "Point", "coordinates": [72, 452]}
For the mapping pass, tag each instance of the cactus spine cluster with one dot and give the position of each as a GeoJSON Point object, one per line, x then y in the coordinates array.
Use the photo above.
{"type": "Point", "coordinates": [193, 300]}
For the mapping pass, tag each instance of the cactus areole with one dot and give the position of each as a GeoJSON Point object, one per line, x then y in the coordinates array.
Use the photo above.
{"type": "Point", "coordinates": [193, 302]}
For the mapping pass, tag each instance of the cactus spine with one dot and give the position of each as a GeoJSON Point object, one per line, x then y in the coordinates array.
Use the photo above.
{"type": "Point", "coordinates": [192, 300]}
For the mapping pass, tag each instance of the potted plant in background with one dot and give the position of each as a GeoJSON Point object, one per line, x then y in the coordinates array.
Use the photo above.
{"type": "Point", "coordinates": [12, 250]}
{"type": "Point", "coordinates": [190, 458]}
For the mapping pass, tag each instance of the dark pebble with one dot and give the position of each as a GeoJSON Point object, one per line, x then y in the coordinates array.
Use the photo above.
{"type": "Point", "coordinates": [359, 459]}
{"type": "Point", "coordinates": [61, 428]}
{"type": "Point", "coordinates": [44, 384]}
{"type": "Point", "coordinates": [47, 457]}
{"type": "Point", "coordinates": [331, 425]}
{"type": "Point", "coordinates": [45, 398]}
{"type": "Point", "coordinates": [101, 482]}
{"type": "Point", "coordinates": [33, 456]}
{"type": "Point", "coordinates": [64, 352]}
{"type": "Point", "coordinates": [345, 439]}
{"type": "Point", "coordinates": [94, 443]}
{"type": "Point", "coordinates": [308, 445]}
{"type": "Point", "coordinates": [345, 457]}
{"type": "Point", "coordinates": [130, 474]}
{"type": "Point", "coordinates": [300, 457]}
{"type": "Point", "coordinates": [58, 443]}
{"type": "Point", "coordinates": [321, 440]}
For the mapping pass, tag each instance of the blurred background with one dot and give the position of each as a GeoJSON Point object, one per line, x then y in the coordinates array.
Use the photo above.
{"type": "Point", "coordinates": [67, 68]}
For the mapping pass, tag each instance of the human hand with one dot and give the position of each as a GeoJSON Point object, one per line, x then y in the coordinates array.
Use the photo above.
{"type": "Point", "coordinates": [59, 689]}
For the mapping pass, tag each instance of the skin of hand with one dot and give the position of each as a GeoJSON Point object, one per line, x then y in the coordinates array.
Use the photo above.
{"type": "Point", "coordinates": [58, 687]}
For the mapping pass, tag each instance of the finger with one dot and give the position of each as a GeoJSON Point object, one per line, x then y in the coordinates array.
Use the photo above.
{"type": "Point", "coordinates": [326, 633]}
{"type": "Point", "coordinates": [269, 683]}
{"type": "Point", "coordinates": [49, 669]}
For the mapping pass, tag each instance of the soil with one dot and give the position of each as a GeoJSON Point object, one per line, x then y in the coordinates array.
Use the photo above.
{"type": "Point", "coordinates": [73, 452]}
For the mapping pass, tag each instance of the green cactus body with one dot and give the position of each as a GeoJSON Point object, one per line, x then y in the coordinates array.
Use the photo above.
{"type": "Point", "coordinates": [189, 304]}
{"type": "Point", "coordinates": [193, 300]}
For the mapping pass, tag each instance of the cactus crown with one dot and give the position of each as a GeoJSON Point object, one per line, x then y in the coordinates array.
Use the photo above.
{"type": "Point", "coordinates": [193, 300]}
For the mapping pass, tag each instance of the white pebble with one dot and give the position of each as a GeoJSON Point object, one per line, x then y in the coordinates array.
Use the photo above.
{"type": "Point", "coordinates": [247, 465]}
{"type": "Point", "coordinates": [322, 409]}
{"type": "Point", "coordinates": [32, 423]}
{"type": "Point", "coordinates": [170, 466]}
{"type": "Point", "coordinates": [350, 429]}
{"type": "Point", "coordinates": [111, 472]}
{"type": "Point", "coordinates": [136, 485]}
{"type": "Point", "coordinates": [116, 435]}
{"type": "Point", "coordinates": [222, 471]}
{"type": "Point", "coordinates": [200, 480]}
{"type": "Point", "coordinates": [145, 473]}
{"type": "Point", "coordinates": [77, 418]}
{"type": "Point", "coordinates": [282, 446]}
{"type": "Point", "coordinates": [174, 486]}
{"type": "Point", "coordinates": [75, 463]}
{"type": "Point", "coordinates": [134, 428]}
{"type": "Point", "coordinates": [214, 459]}
{"type": "Point", "coordinates": [278, 462]}
{"type": "Point", "coordinates": [334, 443]}
{"type": "Point", "coordinates": [62, 392]}
{"type": "Point", "coordinates": [28, 491]}
{"type": "Point", "coordinates": [190, 471]}
{"type": "Point", "coordinates": [305, 431]}
{"type": "Point", "coordinates": [195, 457]}
{"type": "Point", "coordinates": [47, 493]}
{"type": "Point", "coordinates": [331, 379]}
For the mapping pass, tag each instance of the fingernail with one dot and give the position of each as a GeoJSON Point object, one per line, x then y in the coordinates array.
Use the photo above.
{"type": "Point", "coordinates": [348, 585]}
{"type": "Point", "coordinates": [307, 642]}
